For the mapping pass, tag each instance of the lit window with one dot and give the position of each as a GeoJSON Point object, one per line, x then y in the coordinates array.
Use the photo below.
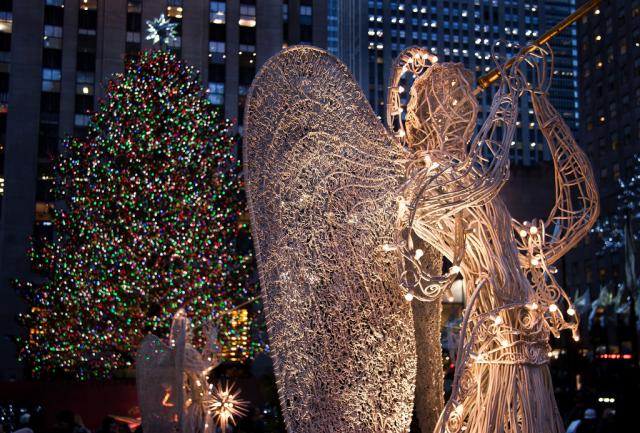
{"type": "Point", "coordinates": [216, 93]}
{"type": "Point", "coordinates": [88, 5]}
{"type": "Point", "coordinates": [217, 12]}
{"type": "Point", "coordinates": [247, 16]}
{"type": "Point", "coordinates": [217, 47]}
{"type": "Point", "coordinates": [306, 11]}
{"type": "Point", "coordinates": [84, 89]}
{"type": "Point", "coordinates": [174, 11]}
{"type": "Point", "coordinates": [81, 120]}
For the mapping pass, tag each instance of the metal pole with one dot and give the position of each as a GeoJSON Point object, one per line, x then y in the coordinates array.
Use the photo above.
{"type": "Point", "coordinates": [493, 75]}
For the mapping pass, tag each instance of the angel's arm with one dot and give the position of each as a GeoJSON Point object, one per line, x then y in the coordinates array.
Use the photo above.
{"type": "Point", "coordinates": [577, 202]}
{"type": "Point", "coordinates": [447, 185]}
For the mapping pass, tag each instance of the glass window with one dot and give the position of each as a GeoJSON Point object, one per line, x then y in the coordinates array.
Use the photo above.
{"type": "Point", "coordinates": [217, 12]}
{"type": "Point", "coordinates": [247, 15]}
{"type": "Point", "coordinates": [216, 93]}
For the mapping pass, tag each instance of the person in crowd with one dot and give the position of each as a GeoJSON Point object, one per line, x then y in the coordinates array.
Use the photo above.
{"type": "Point", "coordinates": [24, 424]}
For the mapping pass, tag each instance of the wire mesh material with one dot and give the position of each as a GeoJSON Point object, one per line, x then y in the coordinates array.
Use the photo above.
{"type": "Point", "coordinates": [322, 177]}
{"type": "Point", "coordinates": [343, 212]}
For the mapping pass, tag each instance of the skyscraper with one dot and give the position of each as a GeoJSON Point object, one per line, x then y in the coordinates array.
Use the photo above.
{"type": "Point", "coordinates": [463, 31]}
{"type": "Point", "coordinates": [55, 57]}
{"type": "Point", "coordinates": [609, 46]}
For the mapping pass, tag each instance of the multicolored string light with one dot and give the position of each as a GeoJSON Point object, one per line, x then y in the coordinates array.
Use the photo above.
{"type": "Point", "coordinates": [149, 224]}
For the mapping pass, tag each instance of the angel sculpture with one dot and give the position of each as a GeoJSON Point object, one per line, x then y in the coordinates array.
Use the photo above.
{"type": "Point", "coordinates": [173, 390]}
{"type": "Point", "coordinates": [450, 200]}
{"type": "Point", "coordinates": [342, 213]}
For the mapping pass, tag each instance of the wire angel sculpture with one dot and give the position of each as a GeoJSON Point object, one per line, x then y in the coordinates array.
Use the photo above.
{"type": "Point", "coordinates": [450, 200]}
{"type": "Point", "coordinates": [342, 209]}
{"type": "Point", "coordinates": [173, 389]}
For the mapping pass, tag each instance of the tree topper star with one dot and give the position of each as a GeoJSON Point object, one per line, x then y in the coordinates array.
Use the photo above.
{"type": "Point", "coordinates": [161, 29]}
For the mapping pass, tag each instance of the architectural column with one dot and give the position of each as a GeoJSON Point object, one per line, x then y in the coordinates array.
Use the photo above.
{"type": "Point", "coordinates": [268, 30]}
{"type": "Point", "coordinates": [69, 57]}
{"type": "Point", "coordinates": [21, 154]}
{"type": "Point", "coordinates": [110, 42]}
{"type": "Point", "coordinates": [195, 36]}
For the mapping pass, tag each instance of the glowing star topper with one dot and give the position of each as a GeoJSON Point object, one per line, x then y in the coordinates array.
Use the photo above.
{"type": "Point", "coordinates": [224, 405]}
{"type": "Point", "coordinates": [161, 29]}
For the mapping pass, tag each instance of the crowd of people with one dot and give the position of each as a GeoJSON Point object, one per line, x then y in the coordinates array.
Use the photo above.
{"type": "Point", "coordinates": [65, 422]}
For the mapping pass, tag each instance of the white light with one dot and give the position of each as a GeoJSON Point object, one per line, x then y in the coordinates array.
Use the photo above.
{"type": "Point", "coordinates": [533, 230]}
{"type": "Point", "coordinates": [553, 308]}
{"type": "Point", "coordinates": [523, 233]}
{"type": "Point", "coordinates": [455, 269]}
{"type": "Point", "coordinates": [419, 253]}
{"type": "Point", "coordinates": [571, 311]}
{"type": "Point", "coordinates": [408, 297]}
{"type": "Point", "coordinates": [498, 320]}
{"type": "Point", "coordinates": [535, 262]}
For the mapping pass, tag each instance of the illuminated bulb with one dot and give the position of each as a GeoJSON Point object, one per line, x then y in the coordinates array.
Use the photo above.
{"type": "Point", "coordinates": [455, 269]}
{"type": "Point", "coordinates": [535, 262]}
{"type": "Point", "coordinates": [553, 308]}
{"type": "Point", "coordinates": [419, 253]}
{"type": "Point", "coordinates": [576, 338]}
{"type": "Point", "coordinates": [408, 297]}
{"type": "Point", "coordinates": [597, 12]}
{"type": "Point", "coordinates": [400, 133]}
{"type": "Point", "coordinates": [523, 233]}
{"type": "Point", "coordinates": [533, 230]}
{"type": "Point", "coordinates": [532, 306]}
{"type": "Point", "coordinates": [571, 311]}
{"type": "Point", "coordinates": [550, 354]}
{"type": "Point", "coordinates": [400, 89]}
{"type": "Point", "coordinates": [497, 320]}
{"type": "Point", "coordinates": [386, 248]}
{"type": "Point", "coordinates": [504, 343]}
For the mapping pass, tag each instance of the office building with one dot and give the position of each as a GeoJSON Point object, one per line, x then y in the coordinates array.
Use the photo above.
{"type": "Point", "coordinates": [461, 31]}
{"type": "Point", "coordinates": [55, 57]}
{"type": "Point", "coordinates": [609, 68]}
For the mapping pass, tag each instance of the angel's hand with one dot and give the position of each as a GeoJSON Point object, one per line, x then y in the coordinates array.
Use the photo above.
{"type": "Point", "coordinates": [537, 68]}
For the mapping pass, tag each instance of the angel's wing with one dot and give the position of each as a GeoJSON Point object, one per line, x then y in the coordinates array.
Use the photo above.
{"type": "Point", "coordinates": [157, 388]}
{"type": "Point", "coordinates": [321, 179]}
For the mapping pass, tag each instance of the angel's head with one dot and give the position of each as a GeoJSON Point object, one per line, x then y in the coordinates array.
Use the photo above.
{"type": "Point", "coordinates": [442, 110]}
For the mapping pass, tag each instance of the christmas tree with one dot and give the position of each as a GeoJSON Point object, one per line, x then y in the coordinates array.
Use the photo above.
{"type": "Point", "coordinates": [148, 222]}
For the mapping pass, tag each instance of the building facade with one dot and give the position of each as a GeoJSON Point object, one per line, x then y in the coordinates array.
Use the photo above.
{"type": "Point", "coordinates": [55, 58]}
{"type": "Point", "coordinates": [609, 54]}
{"type": "Point", "coordinates": [462, 31]}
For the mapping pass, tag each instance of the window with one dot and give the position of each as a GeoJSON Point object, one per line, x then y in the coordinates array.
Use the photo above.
{"type": "Point", "coordinates": [216, 93]}
{"type": "Point", "coordinates": [49, 74]}
{"type": "Point", "coordinates": [217, 12]}
{"type": "Point", "coordinates": [53, 37]}
{"type": "Point", "coordinates": [247, 15]}
{"type": "Point", "coordinates": [81, 120]}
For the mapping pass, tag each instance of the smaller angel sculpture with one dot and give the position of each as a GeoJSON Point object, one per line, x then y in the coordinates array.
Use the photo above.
{"type": "Point", "coordinates": [173, 389]}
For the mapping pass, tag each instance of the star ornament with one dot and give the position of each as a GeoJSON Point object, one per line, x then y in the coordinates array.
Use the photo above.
{"type": "Point", "coordinates": [161, 29]}
{"type": "Point", "coordinates": [225, 405]}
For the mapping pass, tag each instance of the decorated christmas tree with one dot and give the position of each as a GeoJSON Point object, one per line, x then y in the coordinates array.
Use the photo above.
{"type": "Point", "coordinates": [148, 222]}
